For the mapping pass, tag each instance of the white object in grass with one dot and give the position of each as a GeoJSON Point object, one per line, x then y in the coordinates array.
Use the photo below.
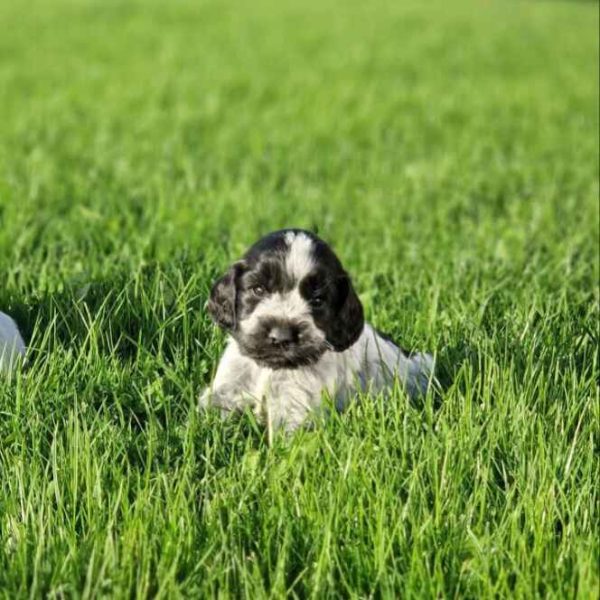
{"type": "Point", "coordinates": [12, 346]}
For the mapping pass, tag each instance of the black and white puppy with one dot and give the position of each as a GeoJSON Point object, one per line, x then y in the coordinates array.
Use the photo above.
{"type": "Point", "coordinates": [296, 331]}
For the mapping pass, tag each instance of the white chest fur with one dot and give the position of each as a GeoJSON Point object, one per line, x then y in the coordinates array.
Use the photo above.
{"type": "Point", "coordinates": [284, 397]}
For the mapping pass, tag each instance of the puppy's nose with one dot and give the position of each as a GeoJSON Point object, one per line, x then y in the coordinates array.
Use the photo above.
{"type": "Point", "coordinates": [283, 334]}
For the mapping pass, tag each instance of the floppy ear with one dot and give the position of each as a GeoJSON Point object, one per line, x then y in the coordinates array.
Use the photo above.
{"type": "Point", "coordinates": [348, 321]}
{"type": "Point", "coordinates": [221, 305]}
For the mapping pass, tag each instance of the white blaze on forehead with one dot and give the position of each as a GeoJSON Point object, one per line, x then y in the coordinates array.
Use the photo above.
{"type": "Point", "coordinates": [288, 306]}
{"type": "Point", "coordinates": [299, 261]}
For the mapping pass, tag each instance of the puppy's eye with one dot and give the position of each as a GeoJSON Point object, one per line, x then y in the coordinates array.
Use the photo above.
{"type": "Point", "coordinates": [317, 301]}
{"type": "Point", "coordinates": [258, 290]}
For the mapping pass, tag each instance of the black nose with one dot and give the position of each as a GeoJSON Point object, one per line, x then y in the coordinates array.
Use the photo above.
{"type": "Point", "coordinates": [282, 335]}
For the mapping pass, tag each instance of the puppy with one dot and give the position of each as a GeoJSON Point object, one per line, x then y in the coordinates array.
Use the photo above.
{"type": "Point", "coordinates": [11, 344]}
{"type": "Point", "coordinates": [296, 331]}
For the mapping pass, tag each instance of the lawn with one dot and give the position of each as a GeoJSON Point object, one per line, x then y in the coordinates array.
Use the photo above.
{"type": "Point", "coordinates": [448, 151]}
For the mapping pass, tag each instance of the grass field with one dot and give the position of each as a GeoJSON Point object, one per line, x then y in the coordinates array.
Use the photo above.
{"type": "Point", "coordinates": [448, 151]}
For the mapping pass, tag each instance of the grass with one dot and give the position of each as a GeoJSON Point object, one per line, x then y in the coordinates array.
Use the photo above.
{"type": "Point", "coordinates": [448, 151]}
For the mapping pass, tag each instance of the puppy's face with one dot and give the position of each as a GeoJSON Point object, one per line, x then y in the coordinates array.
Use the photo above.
{"type": "Point", "coordinates": [288, 301]}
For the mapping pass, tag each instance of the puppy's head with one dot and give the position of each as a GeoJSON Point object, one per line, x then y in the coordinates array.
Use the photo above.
{"type": "Point", "coordinates": [288, 301]}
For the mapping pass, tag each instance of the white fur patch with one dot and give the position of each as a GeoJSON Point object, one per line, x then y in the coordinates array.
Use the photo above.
{"type": "Point", "coordinates": [285, 397]}
{"type": "Point", "coordinates": [289, 306]}
{"type": "Point", "coordinates": [299, 261]}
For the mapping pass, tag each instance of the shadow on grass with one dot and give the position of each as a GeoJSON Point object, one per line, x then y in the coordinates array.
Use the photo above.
{"type": "Point", "coordinates": [153, 310]}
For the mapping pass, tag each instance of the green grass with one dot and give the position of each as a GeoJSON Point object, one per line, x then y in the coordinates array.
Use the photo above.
{"type": "Point", "coordinates": [448, 151]}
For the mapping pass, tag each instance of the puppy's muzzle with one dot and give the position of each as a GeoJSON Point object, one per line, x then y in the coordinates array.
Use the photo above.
{"type": "Point", "coordinates": [284, 334]}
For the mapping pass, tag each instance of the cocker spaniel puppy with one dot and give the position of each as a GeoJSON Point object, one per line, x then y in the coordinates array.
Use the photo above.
{"type": "Point", "coordinates": [296, 331]}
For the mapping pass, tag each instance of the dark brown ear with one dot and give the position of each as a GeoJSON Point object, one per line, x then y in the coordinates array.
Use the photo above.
{"type": "Point", "coordinates": [348, 321]}
{"type": "Point", "coordinates": [221, 305]}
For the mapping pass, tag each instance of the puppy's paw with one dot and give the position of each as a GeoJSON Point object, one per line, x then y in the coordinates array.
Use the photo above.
{"type": "Point", "coordinates": [204, 399]}
{"type": "Point", "coordinates": [222, 400]}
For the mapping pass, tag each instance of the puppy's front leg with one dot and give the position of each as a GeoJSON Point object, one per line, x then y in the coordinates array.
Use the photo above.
{"type": "Point", "coordinates": [230, 390]}
{"type": "Point", "coordinates": [227, 400]}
